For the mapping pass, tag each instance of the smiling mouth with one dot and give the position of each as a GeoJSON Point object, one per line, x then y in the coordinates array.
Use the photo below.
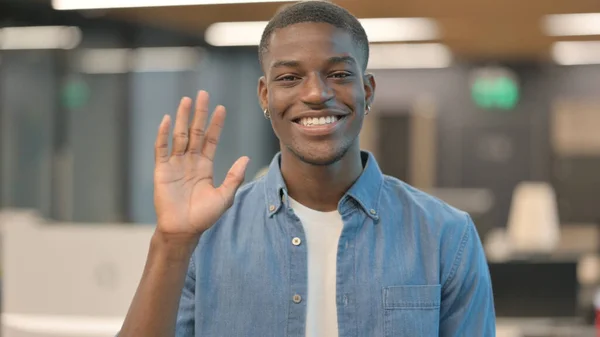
{"type": "Point", "coordinates": [318, 121]}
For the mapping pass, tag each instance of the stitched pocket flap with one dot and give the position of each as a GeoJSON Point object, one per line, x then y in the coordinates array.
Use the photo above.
{"type": "Point", "coordinates": [412, 297]}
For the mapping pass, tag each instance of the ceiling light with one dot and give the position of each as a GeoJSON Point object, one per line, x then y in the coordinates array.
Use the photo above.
{"type": "Point", "coordinates": [400, 29]}
{"type": "Point", "coordinates": [409, 56]}
{"type": "Point", "coordinates": [235, 33]}
{"type": "Point", "coordinates": [104, 61]}
{"type": "Point", "coordinates": [154, 59]}
{"type": "Point", "coordinates": [103, 4]}
{"type": "Point", "coordinates": [378, 30]}
{"type": "Point", "coordinates": [42, 37]}
{"type": "Point", "coordinates": [576, 52]}
{"type": "Point", "coordinates": [166, 59]}
{"type": "Point", "coordinates": [572, 24]}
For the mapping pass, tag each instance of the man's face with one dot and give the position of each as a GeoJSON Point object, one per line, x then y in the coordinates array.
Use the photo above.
{"type": "Point", "coordinates": [315, 90]}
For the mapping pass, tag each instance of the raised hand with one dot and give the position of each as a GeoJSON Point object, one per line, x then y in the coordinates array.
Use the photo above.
{"type": "Point", "coordinates": [185, 198]}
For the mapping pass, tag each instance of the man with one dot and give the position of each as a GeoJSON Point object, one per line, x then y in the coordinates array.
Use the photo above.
{"type": "Point", "coordinates": [323, 244]}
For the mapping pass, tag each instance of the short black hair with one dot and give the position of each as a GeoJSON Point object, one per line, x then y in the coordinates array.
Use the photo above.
{"type": "Point", "coordinates": [317, 11]}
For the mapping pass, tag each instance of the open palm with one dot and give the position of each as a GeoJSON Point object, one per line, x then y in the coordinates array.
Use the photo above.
{"type": "Point", "coordinates": [185, 198]}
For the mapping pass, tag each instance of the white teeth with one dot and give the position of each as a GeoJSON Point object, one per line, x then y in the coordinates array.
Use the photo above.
{"type": "Point", "coordinates": [310, 121]}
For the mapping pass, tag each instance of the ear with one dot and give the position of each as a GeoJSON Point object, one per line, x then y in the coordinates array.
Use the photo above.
{"type": "Point", "coordinates": [263, 93]}
{"type": "Point", "coordinates": [370, 85]}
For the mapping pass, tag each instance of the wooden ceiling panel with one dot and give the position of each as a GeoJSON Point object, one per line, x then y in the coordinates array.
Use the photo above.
{"type": "Point", "coordinates": [472, 28]}
{"type": "Point", "coordinates": [468, 8]}
{"type": "Point", "coordinates": [375, 8]}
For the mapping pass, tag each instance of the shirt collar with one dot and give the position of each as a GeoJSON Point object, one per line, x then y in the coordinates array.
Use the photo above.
{"type": "Point", "coordinates": [365, 191]}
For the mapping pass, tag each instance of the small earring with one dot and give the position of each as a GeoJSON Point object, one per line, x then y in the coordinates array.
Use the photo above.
{"type": "Point", "coordinates": [368, 109]}
{"type": "Point", "coordinates": [267, 114]}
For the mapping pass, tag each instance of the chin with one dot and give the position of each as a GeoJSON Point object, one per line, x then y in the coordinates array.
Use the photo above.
{"type": "Point", "coordinates": [320, 157]}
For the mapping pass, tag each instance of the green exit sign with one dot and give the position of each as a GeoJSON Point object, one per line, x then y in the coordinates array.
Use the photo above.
{"type": "Point", "coordinates": [494, 88]}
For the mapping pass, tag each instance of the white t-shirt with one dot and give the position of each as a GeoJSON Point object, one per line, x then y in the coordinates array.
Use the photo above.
{"type": "Point", "coordinates": [322, 230]}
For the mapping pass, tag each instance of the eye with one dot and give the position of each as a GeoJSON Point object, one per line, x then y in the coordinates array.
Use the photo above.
{"type": "Point", "coordinates": [340, 75]}
{"type": "Point", "coordinates": [287, 78]}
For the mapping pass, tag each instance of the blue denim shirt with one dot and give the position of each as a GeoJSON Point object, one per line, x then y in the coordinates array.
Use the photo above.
{"type": "Point", "coordinates": [408, 265]}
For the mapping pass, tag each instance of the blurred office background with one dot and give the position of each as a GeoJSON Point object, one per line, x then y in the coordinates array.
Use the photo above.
{"type": "Point", "coordinates": [493, 107]}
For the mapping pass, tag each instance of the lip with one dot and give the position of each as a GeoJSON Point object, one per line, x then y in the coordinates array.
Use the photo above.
{"type": "Point", "coordinates": [321, 130]}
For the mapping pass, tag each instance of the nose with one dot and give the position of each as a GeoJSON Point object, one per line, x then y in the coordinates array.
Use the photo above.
{"type": "Point", "coordinates": [316, 92]}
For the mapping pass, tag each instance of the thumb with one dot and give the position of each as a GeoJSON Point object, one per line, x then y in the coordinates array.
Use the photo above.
{"type": "Point", "coordinates": [234, 179]}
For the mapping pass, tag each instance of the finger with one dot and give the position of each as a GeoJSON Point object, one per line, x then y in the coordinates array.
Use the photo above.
{"type": "Point", "coordinates": [180, 132]}
{"type": "Point", "coordinates": [214, 133]}
{"type": "Point", "coordinates": [199, 123]}
{"type": "Point", "coordinates": [161, 146]}
{"type": "Point", "coordinates": [234, 179]}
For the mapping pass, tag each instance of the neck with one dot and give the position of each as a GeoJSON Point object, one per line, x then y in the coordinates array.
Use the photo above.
{"type": "Point", "coordinates": [320, 187]}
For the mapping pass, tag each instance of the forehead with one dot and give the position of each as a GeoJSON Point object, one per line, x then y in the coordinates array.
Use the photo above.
{"type": "Point", "coordinates": [305, 42]}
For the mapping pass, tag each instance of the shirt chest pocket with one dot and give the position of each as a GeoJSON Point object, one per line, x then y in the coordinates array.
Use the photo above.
{"type": "Point", "coordinates": [411, 311]}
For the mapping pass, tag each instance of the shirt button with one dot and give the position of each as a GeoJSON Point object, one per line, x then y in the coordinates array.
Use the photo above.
{"type": "Point", "coordinates": [296, 241]}
{"type": "Point", "coordinates": [297, 298]}
{"type": "Point", "coordinates": [272, 208]}
{"type": "Point", "coordinates": [373, 211]}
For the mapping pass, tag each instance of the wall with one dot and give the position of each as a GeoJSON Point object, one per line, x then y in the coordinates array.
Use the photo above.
{"type": "Point", "coordinates": [494, 150]}
{"type": "Point", "coordinates": [231, 80]}
{"type": "Point", "coordinates": [95, 163]}
{"type": "Point", "coordinates": [27, 108]}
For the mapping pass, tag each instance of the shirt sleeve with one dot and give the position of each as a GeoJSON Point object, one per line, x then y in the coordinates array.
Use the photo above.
{"type": "Point", "coordinates": [185, 315]}
{"type": "Point", "coordinates": [467, 307]}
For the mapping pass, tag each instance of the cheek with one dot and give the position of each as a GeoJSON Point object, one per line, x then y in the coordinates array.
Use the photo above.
{"type": "Point", "coordinates": [279, 100]}
{"type": "Point", "coordinates": [352, 96]}
{"type": "Point", "coordinates": [359, 94]}
{"type": "Point", "coordinates": [356, 124]}
{"type": "Point", "coordinates": [281, 127]}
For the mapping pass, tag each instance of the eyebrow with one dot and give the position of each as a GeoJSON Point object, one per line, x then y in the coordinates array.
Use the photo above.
{"type": "Point", "coordinates": [341, 59]}
{"type": "Point", "coordinates": [286, 64]}
{"type": "Point", "coordinates": [332, 60]}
